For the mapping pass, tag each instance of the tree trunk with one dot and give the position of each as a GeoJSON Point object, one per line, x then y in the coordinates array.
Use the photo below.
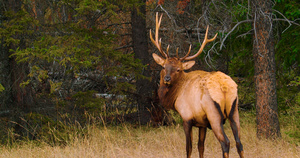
{"type": "Point", "coordinates": [140, 47]}
{"type": "Point", "coordinates": [5, 96]}
{"type": "Point", "coordinates": [14, 73]}
{"type": "Point", "coordinates": [265, 80]}
{"type": "Point", "coordinates": [147, 99]}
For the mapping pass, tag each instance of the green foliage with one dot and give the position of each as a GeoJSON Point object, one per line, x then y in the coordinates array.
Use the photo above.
{"type": "Point", "coordinates": [287, 49]}
{"type": "Point", "coordinates": [288, 37]}
{"type": "Point", "coordinates": [287, 56]}
{"type": "Point", "coordinates": [19, 25]}
{"type": "Point", "coordinates": [239, 52]}
{"type": "Point", "coordinates": [87, 7]}
{"type": "Point", "coordinates": [71, 46]}
{"type": "Point", "coordinates": [289, 8]}
{"type": "Point", "coordinates": [239, 49]}
{"type": "Point", "coordinates": [246, 93]}
{"type": "Point", "coordinates": [1, 88]}
{"type": "Point", "coordinates": [79, 46]}
{"type": "Point", "coordinates": [290, 120]}
{"type": "Point", "coordinates": [288, 92]}
{"type": "Point", "coordinates": [296, 83]}
{"type": "Point", "coordinates": [58, 126]}
{"type": "Point", "coordinates": [239, 45]}
{"type": "Point", "coordinates": [86, 101]}
{"type": "Point", "coordinates": [239, 9]}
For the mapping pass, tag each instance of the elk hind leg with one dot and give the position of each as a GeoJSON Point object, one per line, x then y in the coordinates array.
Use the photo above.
{"type": "Point", "coordinates": [235, 127]}
{"type": "Point", "coordinates": [202, 135]}
{"type": "Point", "coordinates": [187, 126]}
{"type": "Point", "coordinates": [216, 118]}
{"type": "Point", "coordinates": [223, 139]}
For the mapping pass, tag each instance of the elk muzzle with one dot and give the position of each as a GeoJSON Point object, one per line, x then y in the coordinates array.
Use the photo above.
{"type": "Point", "coordinates": [167, 79]}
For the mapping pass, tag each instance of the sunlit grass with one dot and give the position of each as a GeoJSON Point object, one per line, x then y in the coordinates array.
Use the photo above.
{"type": "Point", "coordinates": [131, 141]}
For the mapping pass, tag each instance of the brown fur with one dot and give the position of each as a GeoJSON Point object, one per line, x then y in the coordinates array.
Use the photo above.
{"type": "Point", "coordinates": [203, 99]}
{"type": "Point", "coordinates": [169, 93]}
{"type": "Point", "coordinates": [217, 84]}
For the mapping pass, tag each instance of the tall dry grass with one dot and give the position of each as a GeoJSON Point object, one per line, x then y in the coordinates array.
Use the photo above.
{"type": "Point", "coordinates": [127, 141]}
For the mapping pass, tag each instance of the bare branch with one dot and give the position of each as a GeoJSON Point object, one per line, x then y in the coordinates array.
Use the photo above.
{"type": "Point", "coordinates": [244, 34]}
{"type": "Point", "coordinates": [162, 8]}
{"type": "Point", "coordinates": [285, 19]}
{"type": "Point", "coordinates": [236, 25]}
{"type": "Point", "coordinates": [123, 47]}
{"type": "Point", "coordinates": [292, 22]}
{"type": "Point", "coordinates": [168, 14]}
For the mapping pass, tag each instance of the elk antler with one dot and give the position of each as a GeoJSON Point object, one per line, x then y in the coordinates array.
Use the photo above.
{"type": "Point", "coordinates": [205, 41]}
{"type": "Point", "coordinates": [187, 54]}
{"type": "Point", "coordinates": [157, 42]}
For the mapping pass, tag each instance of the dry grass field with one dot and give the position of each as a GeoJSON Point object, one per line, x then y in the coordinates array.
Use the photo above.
{"type": "Point", "coordinates": [128, 141]}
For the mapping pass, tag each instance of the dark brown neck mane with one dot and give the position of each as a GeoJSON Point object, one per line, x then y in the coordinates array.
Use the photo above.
{"type": "Point", "coordinates": [168, 93]}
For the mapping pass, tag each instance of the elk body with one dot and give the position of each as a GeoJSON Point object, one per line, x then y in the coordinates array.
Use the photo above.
{"type": "Point", "coordinates": [203, 99]}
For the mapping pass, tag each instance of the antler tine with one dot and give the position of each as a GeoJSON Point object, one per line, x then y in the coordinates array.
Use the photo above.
{"type": "Point", "coordinates": [177, 53]}
{"type": "Point", "coordinates": [157, 42]}
{"type": "Point", "coordinates": [187, 54]}
{"type": "Point", "coordinates": [205, 41]}
{"type": "Point", "coordinates": [168, 50]}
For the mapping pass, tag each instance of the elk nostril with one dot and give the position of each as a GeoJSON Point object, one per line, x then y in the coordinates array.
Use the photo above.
{"type": "Point", "coordinates": [167, 78]}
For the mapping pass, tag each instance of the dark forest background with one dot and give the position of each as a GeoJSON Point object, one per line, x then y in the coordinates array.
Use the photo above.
{"type": "Point", "coordinates": [68, 63]}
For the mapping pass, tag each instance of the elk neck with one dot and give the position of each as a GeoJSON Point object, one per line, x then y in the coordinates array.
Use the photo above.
{"type": "Point", "coordinates": [168, 93]}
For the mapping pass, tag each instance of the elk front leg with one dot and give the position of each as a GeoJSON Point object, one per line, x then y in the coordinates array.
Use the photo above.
{"type": "Point", "coordinates": [187, 126]}
{"type": "Point", "coordinates": [202, 134]}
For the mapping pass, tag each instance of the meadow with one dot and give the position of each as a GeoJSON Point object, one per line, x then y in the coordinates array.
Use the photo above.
{"type": "Point", "coordinates": [133, 141]}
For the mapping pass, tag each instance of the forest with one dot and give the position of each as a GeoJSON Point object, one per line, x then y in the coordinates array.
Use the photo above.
{"type": "Point", "coordinates": [78, 78]}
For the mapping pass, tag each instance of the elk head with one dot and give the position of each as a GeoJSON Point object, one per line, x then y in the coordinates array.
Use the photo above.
{"type": "Point", "coordinates": [173, 67]}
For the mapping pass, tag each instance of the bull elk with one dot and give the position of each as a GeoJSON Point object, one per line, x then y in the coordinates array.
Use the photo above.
{"type": "Point", "coordinates": [203, 99]}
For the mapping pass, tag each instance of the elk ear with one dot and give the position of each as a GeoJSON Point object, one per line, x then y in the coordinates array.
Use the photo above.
{"type": "Point", "coordinates": [159, 60]}
{"type": "Point", "coordinates": [188, 65]}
